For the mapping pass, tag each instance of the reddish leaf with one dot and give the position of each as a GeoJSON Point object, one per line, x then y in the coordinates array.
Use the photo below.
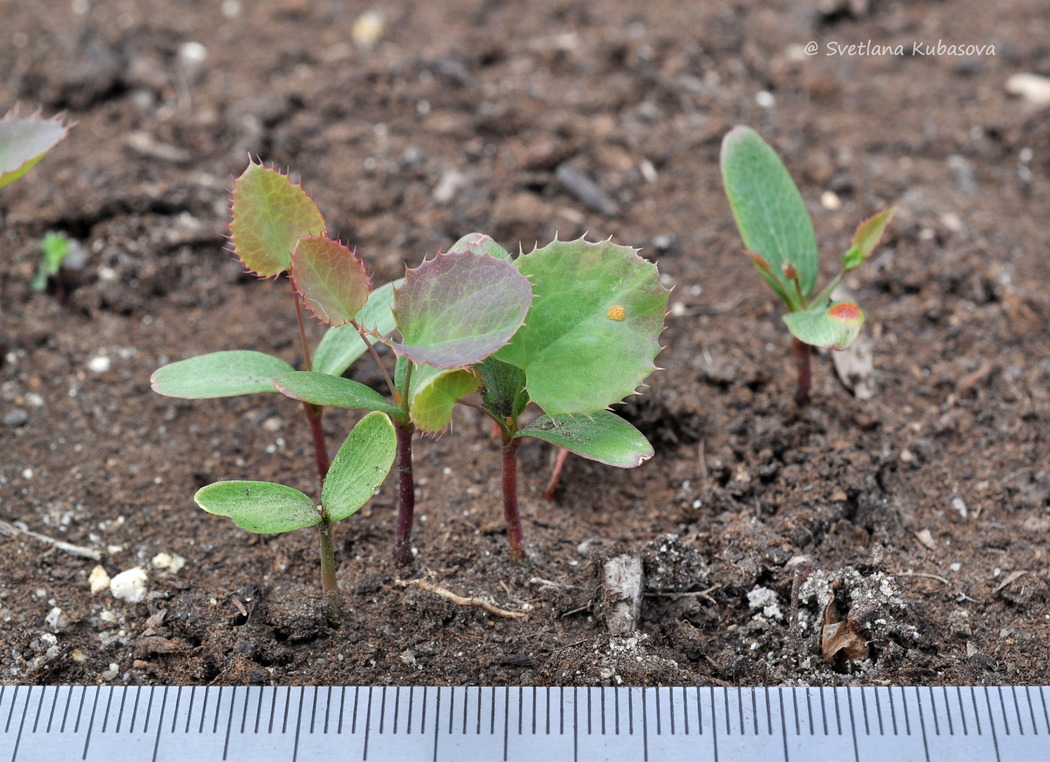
{"type": "Point", "coordinates": [330, 278]}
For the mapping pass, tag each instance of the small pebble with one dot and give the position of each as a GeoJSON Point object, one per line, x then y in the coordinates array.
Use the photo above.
{"type": "Point", "coordinates": [129, 585]}
{"type": "Point", "coordinates": [16, 417]}
{"type": "Point", "coordinates": [99, 580]}
{"type": "Point", "coordinates": [99, 364]}
{"type": "Point", "coordinates": [1031, 87]}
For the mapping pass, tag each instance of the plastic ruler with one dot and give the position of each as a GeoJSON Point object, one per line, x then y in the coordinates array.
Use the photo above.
{"type": "Point", "coordinates": [383, 724]}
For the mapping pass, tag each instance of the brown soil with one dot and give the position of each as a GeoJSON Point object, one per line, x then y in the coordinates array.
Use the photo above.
{"type": "Point", "coordinates": [922, 508]}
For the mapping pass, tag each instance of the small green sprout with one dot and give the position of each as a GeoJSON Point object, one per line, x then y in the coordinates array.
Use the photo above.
{"type": "Point", "coordinates": [58, 253]}
{"type": "Point", "coordinates": [356, 473]}
{"type": "Point", "coordinates": [779, 239]}
{"type": "Point", "coordinates": [24, 141]}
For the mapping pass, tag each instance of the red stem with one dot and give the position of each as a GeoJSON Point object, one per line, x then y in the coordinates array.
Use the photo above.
{"type": "Point", "coordinates": [406, 497]}
{"type": "Point", "coordinates": [510, 499]}
{"type": "Point", "coordinates": [552, 483]}
{"type": "Point", "coordinates": [329, 582]}
{"type": "Point", "coordinates": [802, 352]}
{"type": "Point", "coordinates": [314, 414]}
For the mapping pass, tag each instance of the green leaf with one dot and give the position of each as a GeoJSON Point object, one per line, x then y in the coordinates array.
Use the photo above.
{"type": "Point", "coordinates": [768, 208]}
{"type": "Point", "coordinates": [502, 388]}
{"type": "Point", "coordinates": [834, 327]}
{"type": "Point", "coordinates": [866, 238]}
{"type": "Point", "coordinates": [270, 213]}
{"type": "Point", "coordinates": [260, 507]}
{"type": "Point", "coordinates": [433, 398]}
{"type": "Point", "coordinates": [341, 345]}
{"type": "Point", "coordinates": [458, 308]}
{"type": "Point", "coordinates": [360, 466]}
{"type": "Point", "coordinates": [592, 332]}
{"type": "Point", "coordinates": [603, 437]}
{"type": "Point", "coordinates": [331, 391]}
{"type": "Point", "coordinates": [330, 278]}
{"type": "Point", "coordinates": [24, 141]}
{"type": "Point", "coordinates": [219, 374]}
{"type": "Point", "coordinates": [479, 243]}
{"type": "Point", "coordinates": [55, 247]}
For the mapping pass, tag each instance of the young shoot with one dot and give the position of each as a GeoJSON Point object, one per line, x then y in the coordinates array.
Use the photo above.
{"type": "Point", "coordinates": [779, 239]}
{"type": "Point", "coordinates": [356, 473]}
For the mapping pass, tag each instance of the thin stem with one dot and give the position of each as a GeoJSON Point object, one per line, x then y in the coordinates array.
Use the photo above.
{"type": "Point", "coordinates": [510, 499]}
{"type": "Point", "coordinates": [824, 296]}
{"type": "Point", "coordinates": [329, 583]}
{"type": "Point", "coordinates": [314, 413]}
{"type": "Point", "coordinates": [406, 495]}
{"type": "Point", "coordinates": [802, 352]}
{"type": "Point", "coordinates": [375, 356]}
{"type": "Point", "coordinates": [552, 483]}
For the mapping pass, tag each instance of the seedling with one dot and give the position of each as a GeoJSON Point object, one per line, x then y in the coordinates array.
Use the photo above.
{"type": "Point", "coordinates": [272, 220]}
{"type": "Point", "coordinates": [779, 239]}
{"type": "Point", "coordinates": [589, 340]}
{"type": "Point", "coordinates": [356, 472]}
{"type": "Point", "coordinates": [450, 313]}
{"type": "Point", "coordinates": [57, 254]}
{"type": "Point", "coordinates": [24, 141]}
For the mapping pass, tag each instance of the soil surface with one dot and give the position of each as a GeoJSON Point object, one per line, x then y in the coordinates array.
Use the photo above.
{"type": "Point", "coordinates": [895, 530]}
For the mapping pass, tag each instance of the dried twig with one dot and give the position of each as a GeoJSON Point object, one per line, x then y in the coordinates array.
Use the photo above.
{"type": "Point", "coordinates": [1013, 577]}
{"type": "Point", "coordinates": [705, 594]}
{"type": "Point", "coordinates": [11, 530]}
{"type": "Point", "coordinates": [923, 575]}
{"type": "Point", "coordinates": [459, 600]}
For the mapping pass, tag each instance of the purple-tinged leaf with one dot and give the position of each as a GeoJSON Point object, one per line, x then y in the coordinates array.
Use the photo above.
{"type": "Point", "coordinates": [866, 238]}
{"type": "Point", "coordinates": [458, 308]}
{"type": "Point", "coordinates": [270, 214]}
{"type": "Point", "coordinates": [834, 327]}
{"type": "Point", "coordinates": [330, 278]}
{"type": "Point", "coordinates": [24, 141]}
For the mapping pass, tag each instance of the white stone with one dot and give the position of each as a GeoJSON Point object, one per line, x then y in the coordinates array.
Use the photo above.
{"type": "Point", "coordinates": [169, 561]}
{"type": "Point", "coordinates": [129, 585]}
{"type": "Point", "coordinates": [99, 580]}
{"type": "Point", "coordinates": [1034, 88]}
{"type": "Point", "coordinates": [99, 364]}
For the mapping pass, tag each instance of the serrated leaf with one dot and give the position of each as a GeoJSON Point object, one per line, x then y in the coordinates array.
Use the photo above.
{"type": "Point", "coordinates": [458, 308]}
{"type": "Point", "coordinates": [219, 374]}
{"type": "Point", "coordinates": [260, 507]}
{"type": "Point", "coordinates": [331, 391]}
{"type": "Point", "coordinates": [866, 238]}
{"type": "Point", "coordinates": [433, 399]}
{"type": "Point", "coordinates": [604, 437]}
{"type": "Point", "coordinates": [479, 243]}
{"type": "Point", "coordinates": [834, 327]}
{"type": "Point", "coordinates": [330, 278]}
{"type": "Point", "coordinates": [270, 213]}
{"type": "Point", "coordinates": [593, 330]}
{"type": "Point", "coordinates": [360, 466]}
{"type": "Point", "coordinates": [341, 345]}
{"type": "Point", "coordinates": [24, 141]}
{"type": "Point", "coordinates": [768, 208]}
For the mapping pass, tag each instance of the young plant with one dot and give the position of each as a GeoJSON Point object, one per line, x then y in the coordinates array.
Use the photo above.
{"type": "Point", "coordinates": [58, 254]}
{"type": "Point", "coordinates": [589, 340]}
{"type": "Point", "coordinates": [24, 141]}
{"type": "Point", "coordinates": [356, 472]}
{"type": "Point", "coordinates": [778, 233]}
{"type": "Point", "coordinates": [274, 223]}
{"type": "Point", "coordinates": [450, 313]}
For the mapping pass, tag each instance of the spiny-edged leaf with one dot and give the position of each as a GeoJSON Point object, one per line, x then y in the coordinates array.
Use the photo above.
{"type": "Point", "coordinates": [331, 391]}
{"type": "Point", "coordinates": [260, 507]}
{"type": "Point", "coordinates": [434, 398]}
{"type": "Point", "coordinates": [834, 327]}
{"type": "Point", "coordinates": [458, 308]}
{"type": "Point", "coordinates": [502, 388]}
{"type": "Point", "coordinates": [330, 278]}
{"type": "Point", "coordinates": [593, 330]}
{"type": "Point", "coordinates": [341, 345]}
{"type": "Point", "coordinates": [270, 213]}
{"type": "Point", "coordinates": [360, 466]}
{"type": "Point", "coordinates": [768, 209]}
{"type": "Point", "coordinates": [219, 374]}
{"type": "Point", "coordinates": [24, 141]}
{"type": "Point", "coordinates": [479, 243]}
{"type": "Point", "coordinates": [866, 238]}
{"type": "Point", "coordinates": [604, 437]}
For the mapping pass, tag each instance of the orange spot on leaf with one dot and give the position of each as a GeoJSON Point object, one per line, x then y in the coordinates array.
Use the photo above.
{"type": "Point", "coordinates": [616, 312]}
{"type": "Point", "coordinates": [845, 311]}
